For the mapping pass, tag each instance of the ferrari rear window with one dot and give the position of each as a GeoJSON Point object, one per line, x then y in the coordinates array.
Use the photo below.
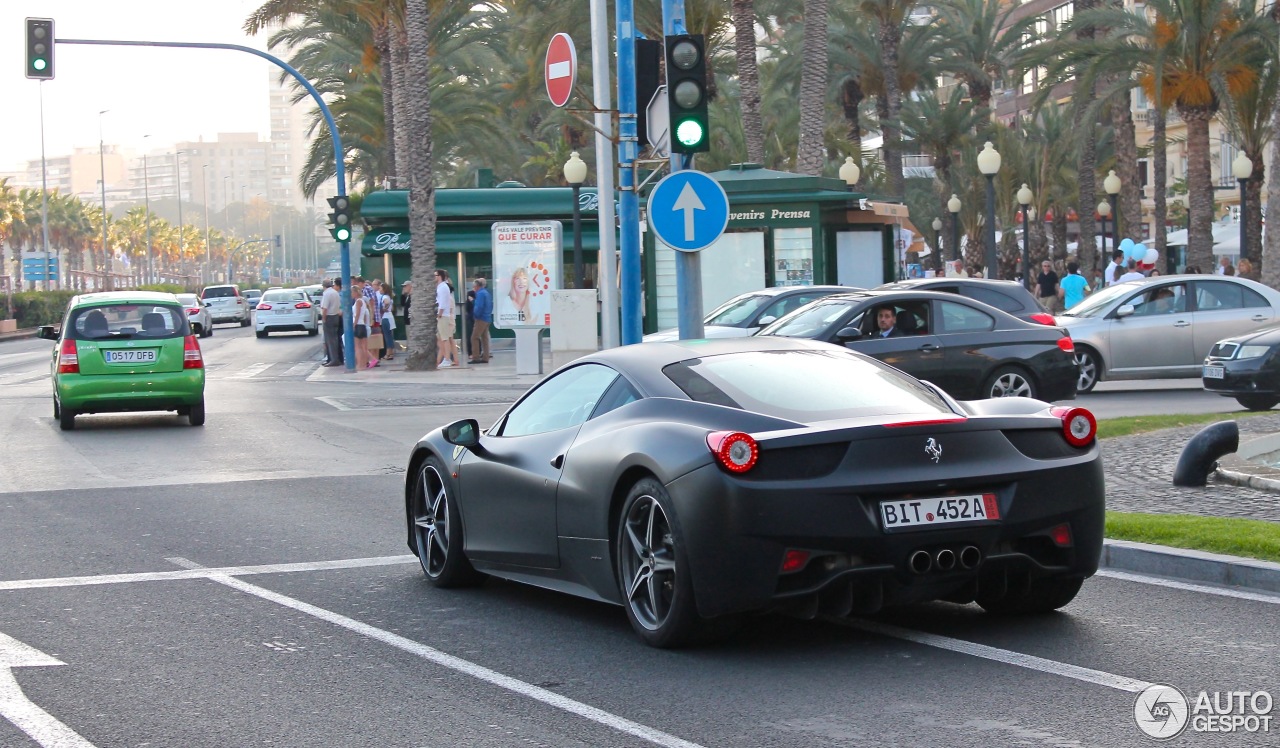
{"type": "Point", "coordinates": [805, 386]}
{"type": "Point", "coordinates": [129, 321]}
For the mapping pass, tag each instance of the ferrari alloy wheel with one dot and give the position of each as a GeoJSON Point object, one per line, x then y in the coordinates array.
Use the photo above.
{"type": "Point", "coordinates": [656, 589]}
{"type": "Point", "coordinates": [437, 531]}
{"type": "Point", "coordinates": [1008, 381]}
{"type": "Point", "coordinates": [1090, 370]}
{"type": "Point", "coordinates": [1040, 596]}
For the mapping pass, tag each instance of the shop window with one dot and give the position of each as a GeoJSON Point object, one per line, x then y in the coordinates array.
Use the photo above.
{"type": "Point", "coordinates": [793, 257]}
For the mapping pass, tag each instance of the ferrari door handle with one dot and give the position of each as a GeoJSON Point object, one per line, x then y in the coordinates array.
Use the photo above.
{"type": "Point", "coordinates": [1182, 323]}
{"type": "Point", "coordinates": [557, 462]}
{"type": "Point", "coordinates": [928, 347]}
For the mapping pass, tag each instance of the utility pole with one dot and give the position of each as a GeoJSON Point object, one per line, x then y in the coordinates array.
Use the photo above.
{"type": "Point", "coordinates": [628, 151]}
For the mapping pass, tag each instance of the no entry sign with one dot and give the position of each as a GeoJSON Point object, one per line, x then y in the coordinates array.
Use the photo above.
{"type": "Point", "coordinates": [561, 69]}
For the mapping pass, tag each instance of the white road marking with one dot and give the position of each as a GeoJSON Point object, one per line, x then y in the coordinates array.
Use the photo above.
{"type": "Point", "coordinates": [15, 707]}
{"type": "Point", "coordinates": [249, 372]}
{"type": "Point", "coordinates": [1031, 662]}
{"type": "Point", "coordinates": [203, 573]}
{"type": "Point", "coordinates": [333, 402]}
{"type": "Point", "coordinates": [1257, 597]}
{"type": "Point", "coordinates": [299, 369]}
{"type": "Point", "coordinates": [465, 667]}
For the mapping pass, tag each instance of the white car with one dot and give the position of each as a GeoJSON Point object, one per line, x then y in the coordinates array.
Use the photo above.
{"type": "Point", "coordinates": [227, 305]}
{"type": "Point", "coordinates": [286, 310]}
{"type": "Point", "coordinates": [197, 313]}
{"type": "Point", "coordinates": [745, 314]}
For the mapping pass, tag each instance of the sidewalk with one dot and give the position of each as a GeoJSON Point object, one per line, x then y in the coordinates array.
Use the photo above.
{"type": "Point", "coordinates": [500, 371]}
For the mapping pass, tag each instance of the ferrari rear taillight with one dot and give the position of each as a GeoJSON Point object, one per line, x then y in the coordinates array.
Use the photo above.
{"type": "Point", "coordinates": [735, 451]}
{"type": "Point", "coordinates": [68, 359]}
{"type": "Point", "coordinates": [1061, 536]}
{"type": "Point", "coordinates": [1078, 425]}
{"type": "Point", "coordinates": [1067, 344]}
{"type": "Point", "coordinates": [794, 560]}
{"type": "Point", "coordinates": [1044, 319]}
{"type": "Point", "coordinates": [191, 358]}
{"type": "Point", "coordinates": [264, 307]}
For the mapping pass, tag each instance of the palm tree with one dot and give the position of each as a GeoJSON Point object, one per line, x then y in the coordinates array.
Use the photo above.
{"type": "Point", "coordinates": [811, 151]}
{"type": "Point", "coordinates": [1249, 119]}
{"type": "Point", "coordinates": [11, 213]}
{"type": "Point", "coordinates": [422, 211]}
{"type": "Point", "coordinates": [890, 17]}
{"type": "Point", "coordinates": [982, 44]}
{"type": "Point", "coordinates": [744, 42]}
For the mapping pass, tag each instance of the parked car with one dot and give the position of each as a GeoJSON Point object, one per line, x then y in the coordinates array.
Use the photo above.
{"type": "Point", "coordinates": [1247, 368]}
{"type": "Point", "coordinates": [970, 349]}
{"type": "Point", "coordinates": [694, 483]}
{"type": "Point", "coordinates": [197, 313]}
{"type": "Point", "coordinates": [1005, 295]}
{"type": "Point", "coordinates": [746, 313]}
{"type": "Point", "coordinates": [251, 296]}
{"type": "Point", "coordinates": [1163, 327]}
{"type": "Point", "coordinates": [313, 292]}
{"type": "Point", "coordinates": [125, 351]}
{"type": "Point", "coordinates": [227, 305]}
{"type": "Point", "coordinates": [286, 310]}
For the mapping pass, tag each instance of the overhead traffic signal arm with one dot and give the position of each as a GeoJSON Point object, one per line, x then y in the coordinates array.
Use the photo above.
{"type": "Point", "coordinates": [340, 218]}
{"type": "Point", "coordinates": [687, 93]}
{"type": "Point", "coordinates": [40, 48]}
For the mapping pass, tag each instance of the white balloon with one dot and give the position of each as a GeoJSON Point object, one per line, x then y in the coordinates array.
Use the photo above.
{"type": "Point", "coordinates": [1151, 257]}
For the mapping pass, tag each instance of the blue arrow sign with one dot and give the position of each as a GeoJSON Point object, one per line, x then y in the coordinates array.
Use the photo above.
{"type": "Point", "coordinates": [688, 210]}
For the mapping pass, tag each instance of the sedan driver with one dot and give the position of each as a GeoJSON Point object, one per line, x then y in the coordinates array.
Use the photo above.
{"type": "Point", "coordinates": [886, 322]}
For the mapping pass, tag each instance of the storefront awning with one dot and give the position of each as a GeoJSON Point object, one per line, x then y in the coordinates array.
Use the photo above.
{"type": "Point", "coordinates": [453, 238]}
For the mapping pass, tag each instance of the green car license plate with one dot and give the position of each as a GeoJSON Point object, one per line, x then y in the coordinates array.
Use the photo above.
{"type": "Point", "coordinates": [142, 356]}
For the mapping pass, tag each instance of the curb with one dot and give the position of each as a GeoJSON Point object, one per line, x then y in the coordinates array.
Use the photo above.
{"type": "Point", "coordinates": [1191, 566]}
{"type": "Point", "coordinates": [29, 332]}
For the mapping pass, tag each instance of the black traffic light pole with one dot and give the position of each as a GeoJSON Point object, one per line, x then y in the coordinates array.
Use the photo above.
{"type": "Point", "coordinates": [348, 338]}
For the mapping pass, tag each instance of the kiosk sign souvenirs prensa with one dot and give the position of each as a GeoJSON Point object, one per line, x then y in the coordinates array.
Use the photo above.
{"type": "Point", "coordinates": [526, 269]}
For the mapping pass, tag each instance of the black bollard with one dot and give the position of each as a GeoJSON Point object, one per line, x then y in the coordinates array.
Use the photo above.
{"type": "Point", "coordinates": [1200, 456]}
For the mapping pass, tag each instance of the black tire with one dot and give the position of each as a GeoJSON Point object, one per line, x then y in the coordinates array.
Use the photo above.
{"type": "Point", "coordinates": [245, 322]}
{"type": "Point", "coordinates": [437, 530]}
{"type": "Point", "coordinates": [1009, 381]}
{"type": "Point", "coordinates": [313, 331]}
{"type": "Point", "coordinates": [1257, 402]}
{"type": "Point", "coordinates": [1041, 596]}
{"type": "Point", "coordinates": [57, 409]}
{"type": "Point", "coordinates": [66, 419]}
{"type": "Point", "coordinates": [653, 575]}
{"type": "Point", "coordinates": [1090, 370]}
{"type": "Point", "coordinates": [261, 333]}
{"type": "Point", "coordinates": [195, 416]}
{"type": "Point", "coordinates": [206, 331]}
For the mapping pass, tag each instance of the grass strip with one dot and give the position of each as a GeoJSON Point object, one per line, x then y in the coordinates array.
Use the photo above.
{"type": "Point", "coordinates": [1110, 427]}
{"type": "Point", "coordinates": [1235, 537]}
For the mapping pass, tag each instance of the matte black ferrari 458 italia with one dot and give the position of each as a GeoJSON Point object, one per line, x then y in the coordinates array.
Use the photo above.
{"type": "Point", "coordinates": [696, 481]}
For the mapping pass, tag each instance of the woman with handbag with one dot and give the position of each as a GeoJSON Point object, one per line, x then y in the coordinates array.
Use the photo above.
{"type": "Point", "coordinates": [388, 323]}
{"type": "Point", "coordinates": [360, 328]}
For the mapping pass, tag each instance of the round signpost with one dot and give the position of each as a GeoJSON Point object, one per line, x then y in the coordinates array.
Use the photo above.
{"type": "Point", "coordinates": [561, 69]}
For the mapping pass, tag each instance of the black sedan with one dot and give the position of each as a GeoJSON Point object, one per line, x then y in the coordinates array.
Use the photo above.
{"type": "Point", "coordinates": [1246, 367]}
{"type": "Point", "coordinates": [1005, 295]}
{"type": "Point", "coordinates": [967, 348]}
{"type": "Point", "coordinates": [696, 481]}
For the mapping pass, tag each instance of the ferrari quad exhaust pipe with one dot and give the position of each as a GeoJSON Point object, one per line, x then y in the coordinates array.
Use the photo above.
{"type": "Point", "coordinates": [920, 562]}
{"type": "Point", "coordinates": [970, 557]}
{"type": "Point", "coordinates": [945, 559]}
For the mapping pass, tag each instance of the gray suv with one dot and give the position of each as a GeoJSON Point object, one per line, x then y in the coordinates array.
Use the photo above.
{"type": "Point", "coordinates": [226, 304]}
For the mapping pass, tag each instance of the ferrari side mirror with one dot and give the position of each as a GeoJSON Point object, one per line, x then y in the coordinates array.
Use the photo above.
{"type": "Point", "coordinates": [465, 433]}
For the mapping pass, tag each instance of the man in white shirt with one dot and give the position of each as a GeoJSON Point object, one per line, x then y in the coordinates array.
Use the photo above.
{"type": "Point", "coordinates": [1114, 268]}
{"type": "Point", "coordinates": [1132, 275]}
{"type": "Point", "coordinates": [445, 354]}
{"type": "Point", "coordinates": [331, 315]}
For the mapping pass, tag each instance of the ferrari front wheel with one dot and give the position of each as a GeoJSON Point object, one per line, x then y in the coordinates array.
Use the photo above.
{"type": "Point", "coordinates": [655, 584]}
{"type": "Point", "coordinates": [437, 530]}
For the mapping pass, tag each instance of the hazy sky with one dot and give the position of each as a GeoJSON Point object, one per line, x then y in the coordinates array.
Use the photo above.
{"type": "Point", "coordinates": [170, 94]}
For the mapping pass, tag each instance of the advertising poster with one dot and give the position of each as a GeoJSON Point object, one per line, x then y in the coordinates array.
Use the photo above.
{"type": "Point", "coordinates": [526, 269]}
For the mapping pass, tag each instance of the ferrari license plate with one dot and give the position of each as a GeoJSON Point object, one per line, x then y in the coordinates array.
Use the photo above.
{"type": "Point", "coordinates": [913, 514]}
{"type": "Point", "coordinates": [1213, 372]}
{"type": "Point", "coordinates": [130, 357]}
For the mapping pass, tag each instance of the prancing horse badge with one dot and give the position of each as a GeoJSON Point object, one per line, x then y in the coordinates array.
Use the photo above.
{"type": "Point", "coordinates": [933, 449]}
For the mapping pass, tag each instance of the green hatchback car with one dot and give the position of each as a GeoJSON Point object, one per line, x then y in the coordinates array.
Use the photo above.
{"type": "Point", "coordinates": [123, 351]}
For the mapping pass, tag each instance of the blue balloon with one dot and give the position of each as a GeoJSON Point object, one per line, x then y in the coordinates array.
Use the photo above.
{"type": "Point", "coordinates": [1125, 245]}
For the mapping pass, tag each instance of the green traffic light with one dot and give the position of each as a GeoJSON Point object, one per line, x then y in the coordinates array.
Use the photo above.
{"type": "Point", "coordinates": [342, 234]}
{"type": "Point", "coordinates": [39, 64]}
{"type": "Point", "coordinates": [690, 133]}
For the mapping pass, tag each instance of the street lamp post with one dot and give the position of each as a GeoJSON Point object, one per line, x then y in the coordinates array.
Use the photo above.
{"type": "Point", "coordinates": [954, 206]}
{"type": "Point", "coordinates": [204, 192]}
{"type": "Point", "coordinates": [989, 164]}
{"type": "Point", "coordinates": [102, 167]}
{"type": "Point", "coordinates": [849, 172]}
{"type": "Point", "coordinates": [937, 240]}
{"type": "Point", "coordinates": [1024, 199]}
{"type": "Point", "coordinates": [1112, 186]}
{"type": "Point", "coordinates": [177, 171]}
{"type": "Point", "coordinates": [146, 201]}
{"type": "Point", "coordinates": [226, 206]}
{"type": "Point", "coordinates": [575, 173]}
{"type": "Point", "coordinates": [1104, 210]}
{"type": "Point", "coordinates": [1242, 168]}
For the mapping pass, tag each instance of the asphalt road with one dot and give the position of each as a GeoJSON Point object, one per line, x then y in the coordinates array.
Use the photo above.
{"type": "Point", "coordinates": [247, 583]}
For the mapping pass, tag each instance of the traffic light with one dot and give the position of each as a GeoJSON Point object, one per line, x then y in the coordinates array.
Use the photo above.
{"type": "Point", "coordinates": [40, 48]}
{"type": "Point", "coordinates": [648, 78]}
{"type": "Point", "coordinates": [687, 93]}
{"type": "Point", "coordinates": [340, 218]}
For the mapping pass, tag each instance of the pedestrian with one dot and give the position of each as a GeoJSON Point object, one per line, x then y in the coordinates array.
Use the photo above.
{"type": "Point", "coordinates": [445, 355]}
{"type": "Point", "coordinates": [1047, 287]}
{"type": "Point", "coordinates": [1244, 268]}
{"type": "Point", "coordinates": [406, 300]}
{"type": "Point", "coordinates": [361, 321]}
{"type": "Point", "coordinates": [1074, 287]}
{"type": "Point", "coordinates": [372, 299]}
{"type": "Point", "coordinates": [1224, 266]}
{"type": "Point", "coordinates": [1098, 280]}
{"type": "Point", "coordinates": [331, 314]}
{"type": "Point", "coordinates": [483, 313]}
{"type": "Point", "coordinates": [468, 316]}
{"type": "Point", "coordinates": [388, 323]}
{"type": "Point", "coordinates": [1133, 274]}
{"type": "Point", "coordinates": [1115, 268]}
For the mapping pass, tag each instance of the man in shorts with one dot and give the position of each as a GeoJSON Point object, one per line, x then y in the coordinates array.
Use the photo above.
{"type": "Point", "coordinates": [445, 354]}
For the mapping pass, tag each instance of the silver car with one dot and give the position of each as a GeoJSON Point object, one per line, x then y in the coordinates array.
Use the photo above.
{"type": "Point", "coordinates": [1162, 327]}
{"type": "Point", "coordinates": [747, 313]}
{"type": "Point", "coordinates": [198, 313]}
